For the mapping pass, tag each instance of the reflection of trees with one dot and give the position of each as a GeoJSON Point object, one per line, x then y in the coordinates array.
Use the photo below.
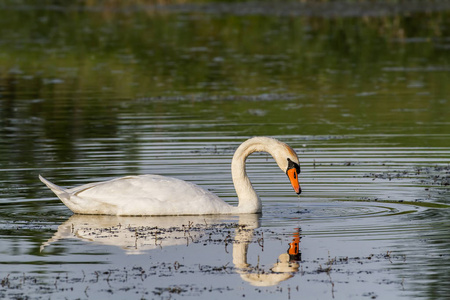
{"type": "Point", "coordinates": [141, 52]}
{"type": "Point", "coordinates": [85, 64]}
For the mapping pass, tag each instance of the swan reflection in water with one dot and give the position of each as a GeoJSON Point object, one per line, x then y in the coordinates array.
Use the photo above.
{"type": "Point", "coordinates": [285, 267]}
{"type": "Point", "coordinates": [137, 235]}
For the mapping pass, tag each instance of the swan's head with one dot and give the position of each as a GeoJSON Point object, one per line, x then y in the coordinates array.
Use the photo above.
{"type": "Point", "coordinates": [283, 154]}
{"type": "Point", "coordinates": [291, 166]}
{"type": "Point", "coordinates": [287, 160]}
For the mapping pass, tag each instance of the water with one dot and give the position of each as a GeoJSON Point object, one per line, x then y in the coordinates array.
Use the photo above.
{"type": "Point", "coordinates": [90, 93]}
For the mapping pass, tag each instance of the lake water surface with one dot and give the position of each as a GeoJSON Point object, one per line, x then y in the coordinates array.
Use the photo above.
{"type": "Point", "coordinates": [91, 92]}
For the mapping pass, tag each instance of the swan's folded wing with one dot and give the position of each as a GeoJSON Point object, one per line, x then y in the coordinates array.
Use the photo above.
{"type": "Point", "coordinates": [146, 195]}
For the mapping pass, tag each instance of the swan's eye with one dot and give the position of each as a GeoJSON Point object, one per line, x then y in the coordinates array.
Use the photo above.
{"type": "Point", "coordinates": [293, 165]}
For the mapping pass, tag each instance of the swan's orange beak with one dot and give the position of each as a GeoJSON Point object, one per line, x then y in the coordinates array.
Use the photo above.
{"type": "Point", "coordinates": [293, 177]}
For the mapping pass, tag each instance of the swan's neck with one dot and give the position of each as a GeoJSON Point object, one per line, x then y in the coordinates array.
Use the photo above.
{"type": "Point", "coordinates": [249, 201]}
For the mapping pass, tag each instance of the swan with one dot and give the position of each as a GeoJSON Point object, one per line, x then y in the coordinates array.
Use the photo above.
{"type": "Point", "coordinates": [155, 195]}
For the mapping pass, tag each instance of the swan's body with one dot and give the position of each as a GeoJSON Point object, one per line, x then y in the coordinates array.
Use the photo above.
{"type": "Point", "coordinates": [160, 195]}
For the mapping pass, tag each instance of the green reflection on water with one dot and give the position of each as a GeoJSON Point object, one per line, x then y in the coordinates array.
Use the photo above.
{"type": "Point", "coordinates": [112, 77]}
{"type": "Point", "coordinates": [128, 54]}
{"type": "Point", "coordinates": [334, 75]}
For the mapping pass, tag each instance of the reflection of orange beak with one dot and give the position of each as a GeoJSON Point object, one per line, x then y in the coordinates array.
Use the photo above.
{"type": "Point", "coordinates": [294, 247]}
{"type": "Point", "coordinates": [293, 177]}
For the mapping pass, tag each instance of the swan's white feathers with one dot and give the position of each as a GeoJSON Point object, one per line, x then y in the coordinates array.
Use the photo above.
{"type": "Point", "coordinates": [159, 195]}
{"type": "Point", "coordinates": [142, 195]}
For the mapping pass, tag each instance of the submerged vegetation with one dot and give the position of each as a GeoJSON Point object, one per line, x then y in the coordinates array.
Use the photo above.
{"type": "Point", "coordinates": [118, 281]}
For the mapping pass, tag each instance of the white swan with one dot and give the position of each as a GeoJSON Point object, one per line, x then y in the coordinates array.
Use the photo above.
{"type": "Point", "coordinates": [159, 195]}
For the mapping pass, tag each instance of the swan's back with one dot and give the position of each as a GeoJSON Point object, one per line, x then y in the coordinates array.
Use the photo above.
{"type": "Point", "coordinates": [142, 195]}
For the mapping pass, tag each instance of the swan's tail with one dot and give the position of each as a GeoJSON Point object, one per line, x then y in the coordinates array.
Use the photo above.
{"type": "Point", "coordinates": [64, 231]}
{"type": "Point", "coordinates": [59, 191]}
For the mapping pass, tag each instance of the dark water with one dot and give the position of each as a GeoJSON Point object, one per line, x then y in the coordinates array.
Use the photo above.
{"type": "Point", "coordinates": [96, 91]}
